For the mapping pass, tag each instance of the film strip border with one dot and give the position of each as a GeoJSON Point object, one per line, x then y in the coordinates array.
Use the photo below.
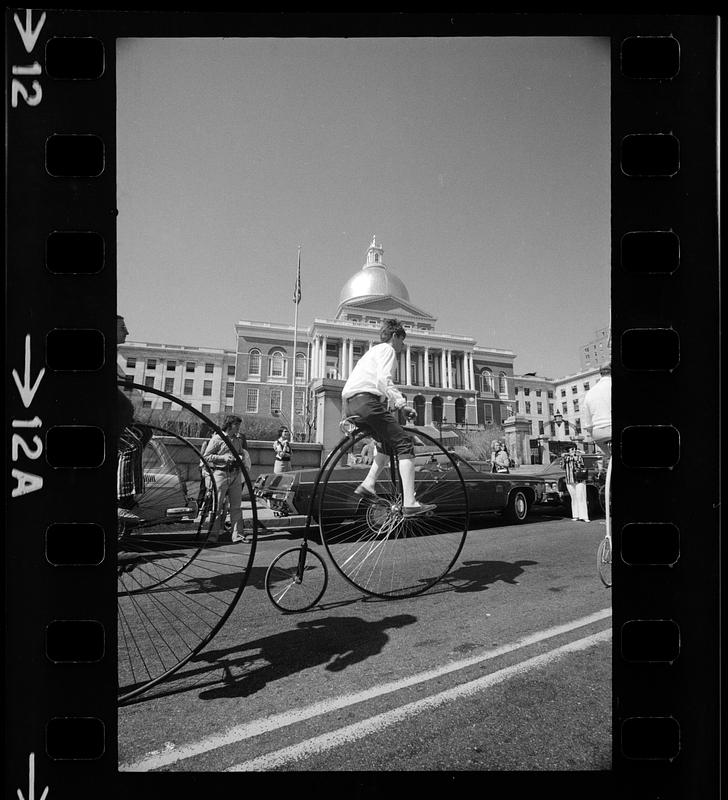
{"type": "Point", "coordinates": [61, 388]}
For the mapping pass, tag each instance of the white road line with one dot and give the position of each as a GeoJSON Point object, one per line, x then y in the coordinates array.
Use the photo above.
{"type": "Point", "coordinates": [359, 730]}
{"type": "Point", "coordinates": [266, 724]}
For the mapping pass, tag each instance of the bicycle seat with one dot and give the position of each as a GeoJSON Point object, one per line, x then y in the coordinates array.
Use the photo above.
{"type": "Point", "coordinates": [350, 424]}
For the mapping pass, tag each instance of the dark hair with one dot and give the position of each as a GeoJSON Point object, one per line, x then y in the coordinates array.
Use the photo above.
{"type": "Point", "coordinates": [230, 420]}
{"type": "Point", "coordinates": [392, 327]}
{"type": "Point", "coordinates": [281, 431]}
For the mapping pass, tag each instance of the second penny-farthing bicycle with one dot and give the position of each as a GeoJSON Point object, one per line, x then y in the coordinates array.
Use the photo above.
{"type": "Point", "coordinates": [179, 574]}
{"type": "Point", "coordinates": [372, 544]}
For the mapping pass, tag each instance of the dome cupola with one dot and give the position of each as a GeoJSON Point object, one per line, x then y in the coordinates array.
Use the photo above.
{"type": "Point", "coordinates": [373, 279]}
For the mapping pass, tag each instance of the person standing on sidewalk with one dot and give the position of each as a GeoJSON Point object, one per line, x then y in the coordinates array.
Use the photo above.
{"type": "Point", "coordinates": [228, 476]}
{"type": "Point", "coordinates": [282, 447]}
{"type": "Point", "coordinates": [573, 465]}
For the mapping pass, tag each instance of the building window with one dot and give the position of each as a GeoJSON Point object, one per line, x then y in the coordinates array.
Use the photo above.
{"type": "Point", "coordinates": [550, 395]}
{"type": "Point", "coordinates": [586, 386]}
{"type": "Point", "coordinates": [188, 387]}
{"type": "Point", "coordinates": [528, 407]}
{"type": "Point", "coordinates": [538, 393]}
{"type": "Point", "coordinates": [254, 363]}
{"type": "Point", "coordinates": [551, 409]}
{"type": "Point", "coordinates": [229, 389]}
{"type": "Point", "coordinates": [205, 408]}
{"type": "Point", "coordinates": [574, 389]}
{"type": "Point", "coordinates": [563, 392]}
{"type": "Point", "coordinates": [146, 403]}
{"type": "Point", "coordinates": [128, 380]}
{"type": "Point", "coordinates": [488, 413]}
{"type": "Point", "coordinates": [564, 408]}
{"type": "Point", "coordinates": [207, 389]}
{"type": "Point", "coordinates": [131, 362]}
{"type": "Point", "coordinates": [276, 399]}
{"type": "Point", "coordinates": [502, 384]}
{"type": "Point", "coordinates": [300, 368]}
{"type": "Point", "coordinates": [190, 366]}
{"type": "Point", "coordinates": [251, 402]}
{"type": "Point", "coordinates": [209, 368]}
{"type": "Point", "coordinates": [149, 382]}
{"type": "Point", "coordinates": [276, 365]}
{"type": "Point", "coordinates": [505, 412]}
{"type": "Point", "coordinates": [576, 405]}
{"type": "Point", "coordinates": [527, 391]}
{"type": "Point", "coordinates": [166, 405]}
{"type": "Point", "coordinates": [486, 381]}
{"type": "Point", "coordinates": [298, 402]}
{"type": "Point", "coordinates": [169, 385]}
{"type": "Point", "coordinates": [231, 369]}
{"type": "Point", "coordinates": [577, 426]}
{"type": "Point", "coordinates": [228, 409]}
{"type": "Point", "coordinates": [540, 427]}
{"type": "Point", "coordinates": [539, 408]}
{"type": "Point", "coordinates": [151, 363]}
{"type": "Point", "coordinates": [171, 365]}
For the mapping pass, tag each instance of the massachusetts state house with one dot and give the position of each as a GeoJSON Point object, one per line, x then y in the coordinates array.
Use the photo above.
{"type": "Point", "coordinates": [446, 377]}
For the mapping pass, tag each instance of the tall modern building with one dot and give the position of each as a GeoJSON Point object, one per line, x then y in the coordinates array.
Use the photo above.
{"type": "Point", "coordinates": [598, 351]}
{"type": "Point", "coordinates": [448, 378]}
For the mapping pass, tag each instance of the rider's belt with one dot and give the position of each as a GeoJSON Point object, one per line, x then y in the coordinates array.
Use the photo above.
{"type": "Point", "coordinates": [283, 458]}
{"type": "Point", "coordinates": [232, 468]}
{"type": "Point", "coordinates": [364, 394]}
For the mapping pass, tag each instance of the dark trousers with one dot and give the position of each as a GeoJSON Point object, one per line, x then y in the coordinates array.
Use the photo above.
{"type": "Point", "coordinates": [389, 435]}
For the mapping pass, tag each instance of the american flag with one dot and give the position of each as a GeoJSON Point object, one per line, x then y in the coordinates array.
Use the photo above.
{"type": "Point", "coordinates": [297, 287]}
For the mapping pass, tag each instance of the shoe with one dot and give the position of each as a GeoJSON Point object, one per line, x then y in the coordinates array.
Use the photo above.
{"type": "Point", "coordinates": [362, 491]}
{"type": "Point", "coordinates": [243, 539]}
{"type": "Point", "coordinates": [418, 511]}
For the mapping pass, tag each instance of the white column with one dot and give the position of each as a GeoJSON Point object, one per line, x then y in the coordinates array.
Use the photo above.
{"type": "Point", "coordinates": [316, 353]}
{"type": "Point", "coordinates": [448, 367]}
{"type": "Point", "coordinates": [443, 369]}
{"type": "Point", "coordinates": [426, 369]}
{"type": "Point", "coordinates": [324, 346]}
{"type": "Point", "coordinates": [408, 367]}
{"type": "Point", "coordinates": [351, 355]}
{"type": "Point", "coordinates": [344, 358]}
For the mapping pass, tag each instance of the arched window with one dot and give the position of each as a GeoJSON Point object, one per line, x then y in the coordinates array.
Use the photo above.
{"type": "Point", "coordinates": [254, 363]}
{"type": "Point", "coordinates": [502, 384]}
{"type": "Point", "coordinates": [486, 380]}
{"type": "Point", "coordinates": [300, 368]}
{"type": "Point", "coordinates": [276, 365]}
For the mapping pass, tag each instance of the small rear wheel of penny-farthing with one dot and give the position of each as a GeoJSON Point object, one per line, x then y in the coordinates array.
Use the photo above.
{"type": "Point", "coordinates": [296, 579]}
{"type": "Point", "coordinates": [179, 574]}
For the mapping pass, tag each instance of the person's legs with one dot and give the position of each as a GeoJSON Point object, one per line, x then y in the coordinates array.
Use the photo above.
{"type": "Point", "coordinates": [221, 486]}
{"type": "Point", "coordinates": [574, 503]}
{"type": "Point", "coordinates": [378, 463]}
{"type": "Point", "coordinates": [407, 471]}
{"type": "Point", "coordinates": [235, 496]}
{"type": "Point", "coordinates": [582, 508]}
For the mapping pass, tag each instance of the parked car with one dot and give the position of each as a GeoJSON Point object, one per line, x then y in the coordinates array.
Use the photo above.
{"type": "Point", "coordinates": [510, 495]}
{"type": "Point", "coordinates": [167, 497]}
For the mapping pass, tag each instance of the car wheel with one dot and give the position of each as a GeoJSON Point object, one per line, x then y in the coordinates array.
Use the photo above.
{"type": "Point", "coordinates": [517, 508]}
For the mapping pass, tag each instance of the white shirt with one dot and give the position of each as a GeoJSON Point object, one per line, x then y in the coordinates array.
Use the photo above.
{"type": "Point", "coordinates": [597, 410]}
{"type": "Point", "coordinates": [373, 373]}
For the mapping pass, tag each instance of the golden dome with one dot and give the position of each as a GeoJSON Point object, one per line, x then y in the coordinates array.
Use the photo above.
{"type": "Point", "coordinates": [373, 279]}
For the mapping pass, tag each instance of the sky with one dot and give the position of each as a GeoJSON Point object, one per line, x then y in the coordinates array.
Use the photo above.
{"type": "Point", "coordinates": [482, 165]}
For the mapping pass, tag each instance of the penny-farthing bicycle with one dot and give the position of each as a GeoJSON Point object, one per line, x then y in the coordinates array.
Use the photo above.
{"type": "Point", "coordinates": [604, 551]}
{"type": "Point", "coordinates": [372, 544]}
{"type": "Point", "coordinates": [179, 574]}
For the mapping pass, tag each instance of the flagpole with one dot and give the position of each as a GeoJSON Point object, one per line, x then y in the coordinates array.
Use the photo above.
{"type": "Point", "coordinates": [296, 300]}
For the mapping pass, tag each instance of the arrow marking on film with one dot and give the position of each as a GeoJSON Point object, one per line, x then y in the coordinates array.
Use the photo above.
{"type": "Point", "coordinates": [31, 781]}
{"type": "Point", "coordinates": [26, 389]}
{"type": "Point", "coordinates": [27, 33]}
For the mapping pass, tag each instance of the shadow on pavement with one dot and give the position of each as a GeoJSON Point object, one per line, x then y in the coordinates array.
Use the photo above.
{"type": "Point", "coordinates": [334, 641]}
{"type": "Point", "coordinates": [476, 576]}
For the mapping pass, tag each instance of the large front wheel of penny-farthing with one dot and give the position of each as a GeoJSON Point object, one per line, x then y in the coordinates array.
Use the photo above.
{"type": "Point", "coordinates": [372, 543]}
{"type": "Point", "coordinates": [179, 574]}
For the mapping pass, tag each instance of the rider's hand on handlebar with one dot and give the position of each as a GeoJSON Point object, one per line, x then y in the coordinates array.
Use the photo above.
{"type": "Point", "coordinates": [410, 414]}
